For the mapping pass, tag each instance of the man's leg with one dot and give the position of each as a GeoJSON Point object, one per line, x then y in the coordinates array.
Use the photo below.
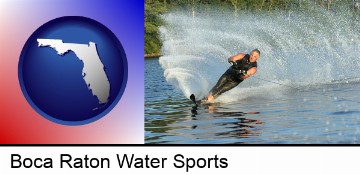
{"type": "Point", "coordinates": [224, 84]}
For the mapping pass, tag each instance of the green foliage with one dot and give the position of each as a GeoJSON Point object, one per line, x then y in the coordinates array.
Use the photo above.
{"type": "Point", "coordinates": [153, 10]}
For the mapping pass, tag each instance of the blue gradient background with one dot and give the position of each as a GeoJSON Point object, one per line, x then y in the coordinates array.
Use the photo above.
{"type": "Point", "coordinates": [19, 123]}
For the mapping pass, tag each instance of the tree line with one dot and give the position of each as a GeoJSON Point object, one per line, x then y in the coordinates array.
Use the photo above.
{"type": "Point", "coordinates": [154, 9]}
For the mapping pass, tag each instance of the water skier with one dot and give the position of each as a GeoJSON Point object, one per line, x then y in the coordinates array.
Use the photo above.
{"type": "Point", "coordinates": [243, 66]}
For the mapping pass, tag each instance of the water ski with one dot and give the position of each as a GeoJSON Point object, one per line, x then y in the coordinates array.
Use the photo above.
{"type": "Point", "coordinates": [192, 98]}
{"type": "Point", "coordinates": [198, 102]}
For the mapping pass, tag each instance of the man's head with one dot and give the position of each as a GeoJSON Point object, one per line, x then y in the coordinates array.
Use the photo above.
{"type": "Point", "coordinates": [254, 55]}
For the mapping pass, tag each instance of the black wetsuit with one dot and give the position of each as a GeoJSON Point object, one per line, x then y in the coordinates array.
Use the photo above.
{"type": "Point", "coordinates": [232, 77]}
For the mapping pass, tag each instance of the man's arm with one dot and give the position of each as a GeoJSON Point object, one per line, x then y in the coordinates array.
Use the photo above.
{"type": "Point", "coordinates": [236, 57]}
{"type": "Point", "coordinates": [250, 72]}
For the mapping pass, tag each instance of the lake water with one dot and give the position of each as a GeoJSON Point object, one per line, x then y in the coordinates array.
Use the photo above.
{"type": "Point", "coordinates": [323, 114]}
{"type": "Point", "coordinates": [306, 89]}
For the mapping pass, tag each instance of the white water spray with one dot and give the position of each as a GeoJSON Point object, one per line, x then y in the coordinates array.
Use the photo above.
{"type": "Point", "coordinates": [302, 49]}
